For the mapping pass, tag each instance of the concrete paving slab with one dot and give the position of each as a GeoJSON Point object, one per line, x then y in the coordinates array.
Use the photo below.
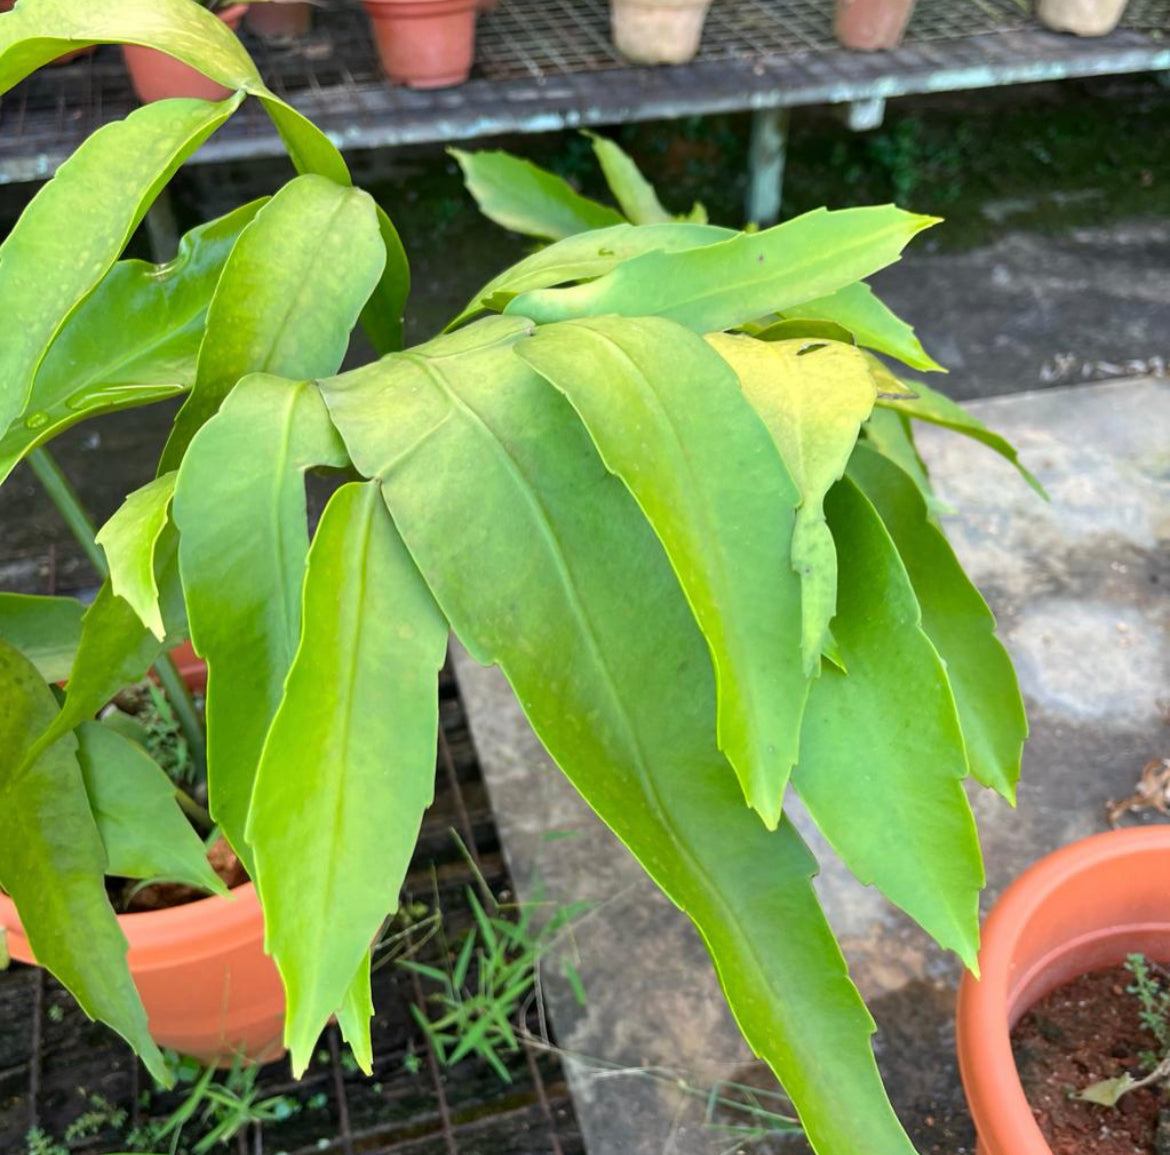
{"type": "Point", "coordinates": [1081, 587]}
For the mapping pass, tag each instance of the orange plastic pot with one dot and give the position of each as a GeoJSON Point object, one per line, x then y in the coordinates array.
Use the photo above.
{"type": "Point", "coordinates": [872, 25]}
{"type": "Point", "coordinates": [1079, 910]}
{"type": "Point", "coordinates": [156, 76]}
{"type": "Point", "coordinates": [424, 43]}
{"type": "Point", "coordinates": [276, 19]}
{"type": "Point", "coordinates": [208, 987]}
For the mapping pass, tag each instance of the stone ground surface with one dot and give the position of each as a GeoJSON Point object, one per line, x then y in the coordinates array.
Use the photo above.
{"type": "Point", "coordinates": [1081, 588]}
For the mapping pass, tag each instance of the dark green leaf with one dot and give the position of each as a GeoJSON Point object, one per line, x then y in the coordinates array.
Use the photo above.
{"type": "Point", "coordinates": [88, 210]}
{"type": "Point", "coordinates": [240, 506]}
{"type": "Point", "coordinates": [723, 285]}
{"type": "Point", "coordinates": [881, 757]}
{"type": "Point", "coordinates": [52, 862]}
{"type": "Point", "coordinates": [45, 630]}
{"type": "Point", "coordinates": [349, 763]}
{"type": "Point", "coordinates": [145, 833]}
{"type": "Point", "coordinates": [667, 415]}
{"type": "Point", "coordinates": [95, 367]}
{"type": "Point", "coordinates": [875, 326]}
{"type": "Point", "coordinates": [542, 561]}
{"type": "Point", "coordinates": [527, 199]}
{"type": "Point", "coordinates": [958, 622]}
{"type": "Point", "coordinates": [891, 435]}
{"type": "Point", "coordinates": [290, 294]}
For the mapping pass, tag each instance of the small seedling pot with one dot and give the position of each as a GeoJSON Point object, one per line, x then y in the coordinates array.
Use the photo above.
{"type": "Point", "coordinates": [208, 987]}
{"type": "Point", "coordinates": [658, 31]}
{"type": "Point", "coordinates": [424, 43]}
{"type": "Point", "coordinates": [1082, 909]}
{"type": "Point", "coordinates": [1084, 17]}
{"type": "Point", "coordinates": [871, 25]}
{"type": "Point", "coordinates": [156, 76]}
{"type": "Point", "coordinates": [278, 20]}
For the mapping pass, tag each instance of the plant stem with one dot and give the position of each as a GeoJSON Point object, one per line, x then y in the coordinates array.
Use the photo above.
{"type": "Point", "coordinates": [200, 818]}
{"type": "Point", "coordinates": [64, 497]}
{"type": "Point", "coordinates": [62, 494]}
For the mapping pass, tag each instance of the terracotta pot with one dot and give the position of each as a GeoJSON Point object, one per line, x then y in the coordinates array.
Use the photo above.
{"type": "Point", "coordinates": [272, 20]}
{"type": "Point", "coordinates": [424, 43]}
{"type": "Point", "coordinates": [208, 987]}
{"type": "Point", "coordinates": [658, 31]}
{"type": "Point", "coordinates": [1079, 910]}
{"type": "Point", "coordinates": [872, 25]}
{"type": "Point", "coordinates": [1084, 17]}
{"type": "Point", "coordinates": [155, 76]}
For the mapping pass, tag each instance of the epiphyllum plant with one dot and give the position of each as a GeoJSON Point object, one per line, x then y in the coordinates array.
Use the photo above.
{"type": "Point", "coordinates": [651, 472]}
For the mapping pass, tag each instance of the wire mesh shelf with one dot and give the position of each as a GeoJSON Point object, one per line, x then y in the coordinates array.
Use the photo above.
{"type": "Point", "coordinates": [543, 64]}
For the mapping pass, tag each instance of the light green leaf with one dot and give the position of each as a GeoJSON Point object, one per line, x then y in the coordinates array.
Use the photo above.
{"type": "Point", "coordinates": [542, 561]}
{"type": "Point", "coordinates": [813, 397]}
{"type": "Point", "coordinates": [858, 309]}
{"type": "Point", "coordinates": [290, 294]}
{"type": "Point", "coordinates": [1107, 1092]}
{"type": "Point", "coordinates": [382, 316]}
{"type": "Point", "coordinates": [928, 404]}
{"type": "Point", "coordinates": [633, 192]}
{"type": "Point", "coordinates": [349, 764]}
{"type": "Point", "coordinates": [881, 758]}
{"type": "Point", "coordinates": [94, 367]}
{"type": "Point", "coordinates": [130, 540]}
{"type": "Point", "coordinates": [45, 630]}
{"type": "Point", "coordinates": [584, 256]}
{"type": "Point", "coordinates": [958, 622]}
{"type": "Point", "coordinates": [52, 862]}
{"type": "Point", "coordinates": [74, 229]}
{"type": "Point", "coordinates": [240, 507]}
{"type": "Point", "coordinates": [145, 833]}
{"type": "Point", "coordinates": [520, 196]}
{"type": "Point", "coordinates": [667, 416]}
{"type": "Point", "coordinates": [891, 435]}
{"type": "Point", "coordinates": [799, 330]}
{"type": "Point", "coordinates": [354, 1015]}
{"type": "Point", "coordinates": [724, 285]}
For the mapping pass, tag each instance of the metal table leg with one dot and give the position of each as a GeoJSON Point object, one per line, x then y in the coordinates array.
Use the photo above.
{"type": "Point", "coordinates": [769, 145]}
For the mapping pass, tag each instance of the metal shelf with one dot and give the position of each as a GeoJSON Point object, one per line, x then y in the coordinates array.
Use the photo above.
{"type": "Point", "coordinates": [548, 64]}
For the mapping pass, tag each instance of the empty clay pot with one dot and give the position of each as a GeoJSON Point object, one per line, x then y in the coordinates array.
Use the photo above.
{"type": "Point", "coordinates": [658, 31]}
{"type": "Point", "coordinates": [1084, 17]}
{"type": "Point", "coordinates": [424, 43]}
{"type": "Point", "coordinates": [1082, 909]}
{"type": "Point", "coordinates": [872, 25]}
{"type": "Point", "coordinates": [276, 20]}
{"type": "Point", "coordinates": [155, 76]}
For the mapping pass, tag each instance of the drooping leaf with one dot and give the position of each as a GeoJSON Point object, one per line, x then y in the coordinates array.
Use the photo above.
{"type": "Point", "coordinates": [131, 540]}
{"type": "Point", "coordinates": [667, 416]}
{"type": "Point", "coordinates": [634, 194]}
{"type": "Point", "coordinates": [45, 630]}
{"type": "Point", "coordinates": [723, 285]}
{"type": "Point", "coordinates": [382, 316]}
{"type": "Point", "coordinates": [289, 296]}
{"type": "Point", "coordinates": [96, 367]}
{"type": "Point", "coordinates": [929, 405]}
{"type": "Point", "coordinates": [542, 561]}
{"type": "Point", "coordinates": [799, 330]}
{"type": "Point", "coordinates": [813, 397]}
{"type": "Point", "coordinates": [77, 225]}
{"type": "Point", "coordinates": [145, 833]}
{"type": "Point", "coordinates": [354, 1015]}
{"type": "Point", "coordinates": [858, 309]}
{"type": "Point", "coordinates": [525, 198]}
{"type": "Point", "coordinates": [881, 759]}
{"type": "Point", "coordinates": [240, 507]}
{"type": "Point", "coordinates": [349, 764]}
{"type": "Point", "coordinates": [52, 862]}
{"type": "Point", "coordinates": [891, 435]}
{"type": "Point", "coordinates": [958, 622]}
{"type": "Point", "coordinates": [584, 256]}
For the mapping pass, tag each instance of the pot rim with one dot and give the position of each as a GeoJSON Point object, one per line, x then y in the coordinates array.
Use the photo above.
{"type": "Point", "coordinates": [989, 1006]}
